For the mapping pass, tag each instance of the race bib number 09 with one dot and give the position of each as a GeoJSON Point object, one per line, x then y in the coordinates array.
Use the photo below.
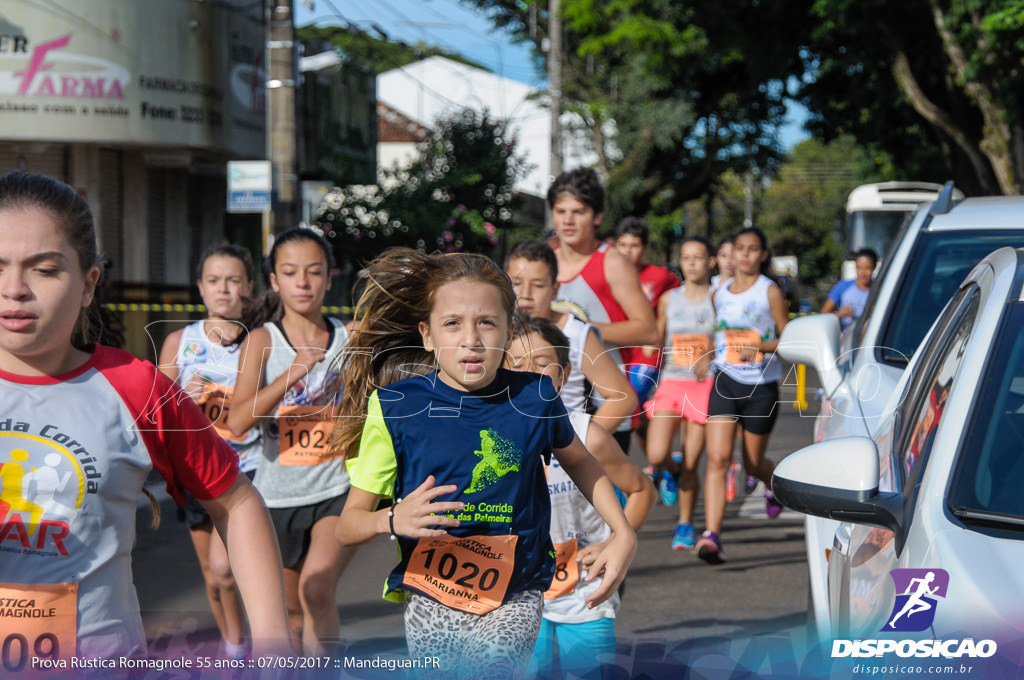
{"type": "Point", "coordinates": [470, 573]}
{"type": "Point", "coordinates": [305, 434]}
{"type": "Point", "coordinates": [37, 621]}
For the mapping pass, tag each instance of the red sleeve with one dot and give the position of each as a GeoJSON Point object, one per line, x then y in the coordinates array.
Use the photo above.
{"type": "Point", "coordinates": [183, 446]}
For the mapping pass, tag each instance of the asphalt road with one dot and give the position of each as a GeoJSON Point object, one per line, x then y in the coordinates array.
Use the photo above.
{"type": "Point", "coordinates": [747, 614]}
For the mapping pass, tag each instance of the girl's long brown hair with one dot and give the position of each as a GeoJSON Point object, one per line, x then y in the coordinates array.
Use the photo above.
{"type": "Point", "coordinates": [386, 345]}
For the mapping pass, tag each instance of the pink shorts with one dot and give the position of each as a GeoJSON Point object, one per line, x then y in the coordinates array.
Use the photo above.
{"type": "Point", "coordinates": [687, 398]}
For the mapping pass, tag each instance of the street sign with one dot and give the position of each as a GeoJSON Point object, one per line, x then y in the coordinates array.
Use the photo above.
{"type": "Point", "coordinates": [249, 186]}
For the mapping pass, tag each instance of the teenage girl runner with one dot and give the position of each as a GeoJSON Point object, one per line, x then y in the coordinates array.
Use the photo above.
{"type": "Point", "coordinates": [686, 321]}
{"type": "Point", "coordinates": [460, 452]}
{"type": "Point", "coordinates": [533, 268]}
{"type": "Point", "coordinates": [574, 639]}
{"type": "Point", "coordinates": [290, 385]}
{"type": "Point", "coordinates": [99, 419]}
{"type": "Point", "coordinates": [203, 359]}
{"type": "Point", "coordinates": [750, 315]}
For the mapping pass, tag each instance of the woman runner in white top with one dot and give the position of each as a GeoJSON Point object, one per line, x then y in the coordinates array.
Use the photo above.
{"type": "Point", "coordinates": [99, 419]}
{"type": "Point", "coordinates": [203, 359]}
{"type": "Point", "coordinates": [750, 314]}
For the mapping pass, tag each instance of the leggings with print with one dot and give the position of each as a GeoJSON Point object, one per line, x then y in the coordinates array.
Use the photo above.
{"type": "Point", "coordinates": [492, 646]}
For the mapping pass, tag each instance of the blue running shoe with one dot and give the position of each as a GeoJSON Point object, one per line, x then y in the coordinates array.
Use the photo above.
{"type": "Point", "coordinates": [683, 538]}
{"type": "Point", "coordinates": [668, 488]}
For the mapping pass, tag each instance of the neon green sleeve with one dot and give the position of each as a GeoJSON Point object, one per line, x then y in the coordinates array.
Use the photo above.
{"type": "Point", "coordinates": [375, 468]}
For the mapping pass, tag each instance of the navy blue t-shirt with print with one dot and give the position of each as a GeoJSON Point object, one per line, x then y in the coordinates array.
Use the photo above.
{"type": "Point", "coordinates": [488, 443]}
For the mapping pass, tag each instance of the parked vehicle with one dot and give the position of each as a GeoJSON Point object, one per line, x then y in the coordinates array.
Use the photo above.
{"type": "Point", "coordinates": [937, 487]}
{"type": "Point", "coordinates": [859, 372]}
{"type": "Point", "coordinates": [875, 213]}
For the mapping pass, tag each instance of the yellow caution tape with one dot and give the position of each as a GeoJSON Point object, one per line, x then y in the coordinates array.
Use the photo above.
{"type": "Point", "coordinates": [178, 307]}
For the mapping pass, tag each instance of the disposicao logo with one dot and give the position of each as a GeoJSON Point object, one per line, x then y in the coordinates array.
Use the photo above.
{"type": "Point", "coordinates": [914, 611]}
{"type": "Point", "coordinates": [916, 589]}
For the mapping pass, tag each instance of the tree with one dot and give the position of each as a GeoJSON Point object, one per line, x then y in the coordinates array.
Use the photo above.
{"type": "Point", "coordinates": [935, 84]}
{"type": "Point", "coordinates": [673, 94]}
{"type": "Point", "coordinates": [456, 196]}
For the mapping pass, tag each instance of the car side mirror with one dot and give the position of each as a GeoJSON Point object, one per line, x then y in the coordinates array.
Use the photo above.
{"type": "Point", "coordinates": [838, 479]}
{"type": "Point", "coordinates": [814, 340]}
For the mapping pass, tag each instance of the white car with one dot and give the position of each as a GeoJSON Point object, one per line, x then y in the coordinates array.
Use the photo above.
{"type": "Point", "coordinates": [859, 372]}
{"type": "Point", "coordinates": [937, 492]}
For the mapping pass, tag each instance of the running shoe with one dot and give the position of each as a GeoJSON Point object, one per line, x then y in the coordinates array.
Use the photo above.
{"type": "Point", "coordinates": [649, 471]}
{"type": "Point", "coordinates": [730, 482]}
{"type": "Point", "coordinates": [668, 488]}
{"type": "Point", "coordinates": [709, 548]}
{"type": "Point", "coordinates": [772, 507]}
{"type": "Point", "coordinates": [677, 458]}
{"type": "Point", "coordinates": [751, 483]}
{"type": "Point", "coordinates": [683, 537]}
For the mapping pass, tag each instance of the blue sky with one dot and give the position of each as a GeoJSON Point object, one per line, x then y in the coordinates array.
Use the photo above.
{"type": "Point", "coordinates": [455, 27]}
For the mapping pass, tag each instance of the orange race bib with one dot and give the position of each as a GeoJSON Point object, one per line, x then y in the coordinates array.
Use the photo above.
{"type": "Point", "coordinates": [305, 434]}
{"type": "Point", "coordinates": [567, 570]}
{"type": "Point", "coordinates": [215, 402]}
{"type": "Point", "coordinates": [39, 621]}
{"type": "Point", "coordinates": [738, 338]}
{"type": "Point", "coordinates": [688, 348]}
{"type": "Point", "coordinates": [471, 573]}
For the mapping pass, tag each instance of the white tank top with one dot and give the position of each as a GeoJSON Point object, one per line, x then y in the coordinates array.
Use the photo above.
{"type": "Point", "coordinates": [574, 518]}
{"type": "Point", "coordinates": [737, 314]}
{"type": "Point", "coordinates": [573, 391]}
{"type": "Point", "coordinates": [684, 321]}
{"type": "Point", "coordinates": [216, 364]}
{"type": "Point", "coordinates": [288, 486]}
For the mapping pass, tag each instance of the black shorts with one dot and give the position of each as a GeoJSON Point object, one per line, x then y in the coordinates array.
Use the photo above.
{"type": "Point", "coordinates": [754, 406]}
{"type": "Point", "coordinates": [294, 527]}
{"type": "Point", "coordinates": [193, 514]}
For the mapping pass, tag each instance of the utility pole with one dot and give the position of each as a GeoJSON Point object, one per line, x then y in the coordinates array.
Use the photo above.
{"type": "Point", "coordinates": [555, 83]}
{"type": "Point", "coordinates": [281, 116]}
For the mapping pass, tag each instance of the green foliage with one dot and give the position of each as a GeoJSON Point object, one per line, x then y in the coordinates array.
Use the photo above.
{"type": "Point", "coordinates": [376, 54]}
{"type": "Point", "coordinates": [456, 196]}
{"type": "Point", "coordinates": [802, 210]}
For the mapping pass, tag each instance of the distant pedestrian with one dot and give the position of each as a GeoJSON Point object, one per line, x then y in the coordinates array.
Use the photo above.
{"type": "Point", "coordinates": [723, 259]}
{"type": "Point", "coordinates": [848, 297]}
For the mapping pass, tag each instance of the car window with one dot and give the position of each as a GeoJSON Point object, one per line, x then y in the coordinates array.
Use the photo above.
{"type": "Point", "coordinates": [926, 396]}
{"type": "Point", "coordinates": [936, 268]}
{"type": "Point", "coordinates": [989, 473]}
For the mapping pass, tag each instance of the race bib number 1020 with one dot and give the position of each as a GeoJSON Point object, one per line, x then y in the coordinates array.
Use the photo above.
{"type": "Point", "coordinates": [471, 573]}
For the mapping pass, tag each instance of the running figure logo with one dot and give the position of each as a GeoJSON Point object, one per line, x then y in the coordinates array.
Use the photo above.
{"type": "Point", "coordinates": [498, 457]}
{"type": "Point", "coordinates": [914, 609]}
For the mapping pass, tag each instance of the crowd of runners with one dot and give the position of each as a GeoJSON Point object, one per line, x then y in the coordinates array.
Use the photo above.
{"type": "Point", "coordinates": [478, 414]}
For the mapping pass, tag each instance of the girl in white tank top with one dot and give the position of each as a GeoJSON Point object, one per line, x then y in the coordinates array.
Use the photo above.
{"type": "Point", "coordinates": [290, 385]}
{"type": "Point", "coordinates": [203, 359]}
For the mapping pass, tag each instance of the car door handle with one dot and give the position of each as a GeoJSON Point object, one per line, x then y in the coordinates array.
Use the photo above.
{"type": "Point", "coordinates": [841, 541]}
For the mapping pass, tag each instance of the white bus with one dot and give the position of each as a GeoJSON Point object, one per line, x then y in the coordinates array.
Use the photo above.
{"type": "Point", "coordinates": [875, 212]}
